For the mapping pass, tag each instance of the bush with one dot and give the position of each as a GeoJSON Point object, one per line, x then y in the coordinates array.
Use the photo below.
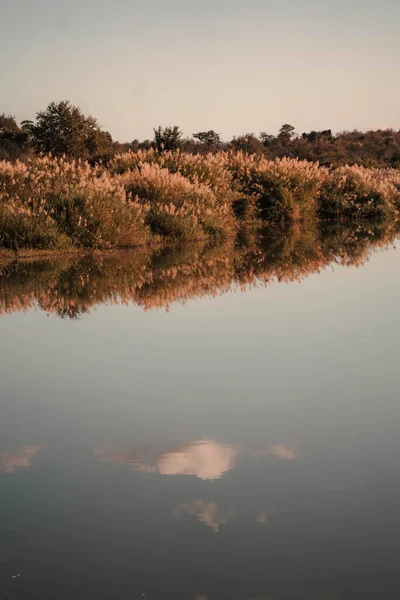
{"type": "Point", "coordinates": [21, 228]}
{"type": "Point", "coordinates": [177, 206]}
{"type": "Point", "coordinates": [89, 206]}
{"type": "Point", "coordinates": [140, 197]}
{"type": "Point", "coordinates": [357, 192]}
{"type": "Point", "coordinates": [209, 169]}
{"type": "Point", "coordinates": [286, 189]}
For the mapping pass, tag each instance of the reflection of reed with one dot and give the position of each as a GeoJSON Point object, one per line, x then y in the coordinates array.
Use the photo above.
{"type": "Point", "coordinates": [154, 278]}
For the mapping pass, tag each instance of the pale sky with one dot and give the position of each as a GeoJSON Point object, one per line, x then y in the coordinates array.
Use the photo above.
{"type": "Point", "coordinates": [235, 66]}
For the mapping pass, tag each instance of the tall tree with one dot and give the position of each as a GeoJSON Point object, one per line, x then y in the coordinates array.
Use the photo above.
{"type": "Point", "coordinates": [286, 133]}
{"type": "Point", "coordinates": [208, 138]}
{"type": "Point", "coordinates": [168, 139]}
{"type": "Point", "coordinates": [63, 129]}
{"type": "Point", "coordinates": [248, 143]}
{"type": "Point", "coordinates": [13, 138]}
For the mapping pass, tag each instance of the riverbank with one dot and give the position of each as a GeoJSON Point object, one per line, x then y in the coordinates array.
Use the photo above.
{"type": "Point", "coordinates": [145, 198]}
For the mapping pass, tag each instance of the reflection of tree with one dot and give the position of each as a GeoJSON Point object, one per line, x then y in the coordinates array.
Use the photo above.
{"type": "Point", "coordinates": [156, 277]}
{"type": "Point", "coordinates": [19, 459]}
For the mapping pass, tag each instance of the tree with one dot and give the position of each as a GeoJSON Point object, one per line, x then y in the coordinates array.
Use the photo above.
{"type": "Point", "coordinates": [8, 125]}
{"type": "Point", "coordinates": [315, 136]}
{"type": "Point", "coordinates": [286, 133]}
{"type": "Point", "coordinates": [208, 138]}
{"type": "Point", "coordinates": [248, 143]}
{"type": "Point", "coordinates": [266, 138]}
{"type": "Point", "coordinates": [63, 129]}
{"type": "Point", "coordinates": [13, 139]}
{"type": "Point", "coordinates": [168, 139]}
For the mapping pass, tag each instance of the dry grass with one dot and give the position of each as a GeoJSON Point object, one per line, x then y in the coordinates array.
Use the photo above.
{"type": "Point", "coordinates": [59, 205]}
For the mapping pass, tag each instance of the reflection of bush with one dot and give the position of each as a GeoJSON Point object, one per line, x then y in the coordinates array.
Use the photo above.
{"type": "Point", "coordinates": [155, 278]}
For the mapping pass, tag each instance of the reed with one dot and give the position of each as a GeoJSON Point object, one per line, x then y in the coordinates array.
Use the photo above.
{"type": "Point", "coordinates": [146, 197]}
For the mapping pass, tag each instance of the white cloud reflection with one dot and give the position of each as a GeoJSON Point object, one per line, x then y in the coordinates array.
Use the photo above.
{"type": "Point", "coordinates": [206, 512]}
{"type": "Point", "coordinates": [281, 451]}
{"type": "Point", "coordinates": [18, 459]}
{"type": "Point", "coordinates": [213, 515]}
{"type": "Point", "coordinates": [205, 459]}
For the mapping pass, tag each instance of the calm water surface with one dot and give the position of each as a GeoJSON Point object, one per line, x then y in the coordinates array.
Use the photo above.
{"type": "Point", "coordinates": [242, 446]}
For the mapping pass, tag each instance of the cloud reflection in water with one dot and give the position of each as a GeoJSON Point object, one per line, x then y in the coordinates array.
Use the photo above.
{"type": "Point", "coordinates": [205, 459]}
{"type": "Point", "coordinates": [18, 459]}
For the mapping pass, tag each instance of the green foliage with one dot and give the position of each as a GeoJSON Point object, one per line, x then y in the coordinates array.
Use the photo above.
{"type": "Point", "coordinates": [168, 139]}
{"type": "Point", "coordinates": [208, 138]}
{"type": "Point", "coordinates": [248, 143]}
{"type": "Point", "coordinates": [22, 228]}
{"type": "Point", "coordinates": [286, 133]}
{"type": "Point", "coordinates": [13, 139]}
{"type": "Point", "coordinates": [359, 193]}
{"type": "Point", "coordinates": [371, 149]}
{"type": "Point", "coordinates": [100, 221]}
{"type": "Point", "coordinates": [62, 129]}
{"type": "Point", "coordinates": [8, 126]}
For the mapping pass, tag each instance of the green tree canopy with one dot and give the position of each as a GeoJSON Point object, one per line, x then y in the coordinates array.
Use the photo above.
{"type": "Point", "coordinates": [168, 139]}
{"type": "Point", "coordinates": [13, 139]}
{"type": "Point", "coordinates": [248, 143]}
{"type": "Point", "coordinates": [63, 129]}
{"type": "Point", "coordinates": [208, 138]}
{"type": "Point", "coordinates": [286, 133]}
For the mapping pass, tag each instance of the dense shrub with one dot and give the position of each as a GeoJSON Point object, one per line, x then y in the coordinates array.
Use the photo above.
{"type": "Point", "coordinates": [21, 228]}
{"type": "Point", "coordinates": [286, 189]}
{"type": "Point", "coordinates": [88, 205]}
{"type": "Point", "coordinates": [147, 196]}
{"type": "Point", "coordinates": [357, 192]}
{"type": "Point", "coordinates": [178, 207]}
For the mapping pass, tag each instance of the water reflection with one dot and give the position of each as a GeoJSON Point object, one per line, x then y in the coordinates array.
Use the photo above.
{"type": "Point", "coordinates": [234, 449]}
{"type": "Point", "coordinates": [154, 278]}
{"type": "Point", "coordinates": [18, 459]}
{"type": "Point", "coordinates": [204, 459]}
{"type": "Point", "coordinates": [213, 515]}
{"type": "Point", "coordinates": [280, 451]}
{"type": "Point", "coordinates": [206, 512]}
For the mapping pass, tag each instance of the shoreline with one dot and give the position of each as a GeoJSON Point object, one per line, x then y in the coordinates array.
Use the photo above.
{"type": "Point", "coordinates": [58, 207]}
{"type": "Point", "coordinates": [264, 231]}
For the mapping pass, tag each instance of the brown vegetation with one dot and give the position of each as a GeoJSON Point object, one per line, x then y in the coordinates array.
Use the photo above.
{"type": "Point", "coordinates": [157, 277]}
{"type": "Point", "coordinates": [63, 129]}
{"type": "Point", "coordinates": [146, 197]}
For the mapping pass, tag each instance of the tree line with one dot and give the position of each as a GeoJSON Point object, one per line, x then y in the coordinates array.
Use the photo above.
{"type": "Point", "coordinates": [63, 129]}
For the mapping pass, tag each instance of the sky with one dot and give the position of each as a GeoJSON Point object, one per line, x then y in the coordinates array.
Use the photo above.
{"type": "Point", "coordinates": [235, 66]}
